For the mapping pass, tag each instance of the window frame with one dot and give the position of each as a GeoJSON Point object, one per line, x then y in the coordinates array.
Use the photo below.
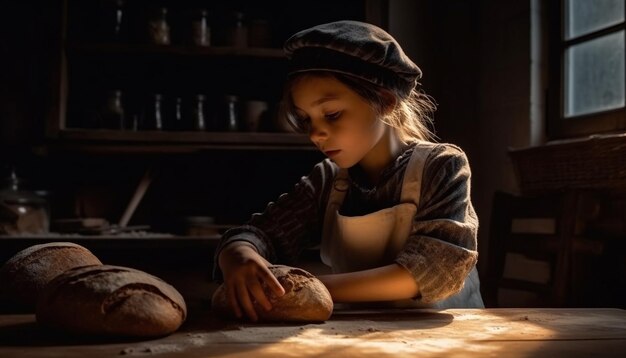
{"type": "Point", "coordinates": [558, 126]}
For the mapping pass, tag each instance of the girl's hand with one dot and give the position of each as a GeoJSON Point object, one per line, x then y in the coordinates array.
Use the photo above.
{"type": "Point", "coordinates": [245, 272]}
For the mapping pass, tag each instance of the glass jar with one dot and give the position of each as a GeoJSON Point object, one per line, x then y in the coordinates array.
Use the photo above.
{"type": "Point", "coordinates": [259, 33]}
{"type": "Point", "coordinates": [112, 116]}
{"type": "Point", "coordinates": [153, 115]}
{"type": "Point", "coordinates": [22, 211]}
{"type": "Point", "coordinates": [158, 27]}
{"type": "Point", "coordinates": [253, 113]}
{"type": "Point", "coordinates": [237, 35]}
{"type": "Point", "coordinates": [200, 30]}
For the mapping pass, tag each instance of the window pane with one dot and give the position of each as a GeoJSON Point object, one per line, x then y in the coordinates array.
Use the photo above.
{"type": "Point", "coordinates": [585, 16]}
{"type": "Point", "coordinates": [594, 75]}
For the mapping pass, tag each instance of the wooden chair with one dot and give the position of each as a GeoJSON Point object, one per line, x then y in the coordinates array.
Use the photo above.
{"type": "Point", "coordinates": [555, 245]}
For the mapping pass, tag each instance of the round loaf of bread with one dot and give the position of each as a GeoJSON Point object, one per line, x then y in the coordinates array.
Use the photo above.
{"type": "Point", "coordinates": [111, 300]}
{"type": "Point", "coordinates": [306, 299]}
{"type": "Point", "coordinates": [25, 275]}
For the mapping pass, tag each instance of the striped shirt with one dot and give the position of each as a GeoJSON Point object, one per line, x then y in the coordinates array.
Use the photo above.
{"type": "Point", "coordinates": [441, 249]}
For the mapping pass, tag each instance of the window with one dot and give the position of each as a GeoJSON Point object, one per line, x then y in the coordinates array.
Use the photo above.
{"type": "Point", "coordinates": [587, 73]}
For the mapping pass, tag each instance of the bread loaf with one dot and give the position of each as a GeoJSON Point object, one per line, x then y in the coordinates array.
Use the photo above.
{"type": "Point", "coordinates": [23, 277]}
{"type": "Point", "coordinates": [111, 300]}
{"type": "Point", "coordinates": [306, 299]}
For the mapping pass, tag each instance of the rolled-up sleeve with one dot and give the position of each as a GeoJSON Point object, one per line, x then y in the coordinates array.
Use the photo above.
{"type": "Point", "coordinates": [442, 247]}
{"type": "Point", "coordinates": [288, 225]}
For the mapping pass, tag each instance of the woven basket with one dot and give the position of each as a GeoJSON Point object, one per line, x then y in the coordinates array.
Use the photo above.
{"type": "Point", "coordinates": [595, 162]}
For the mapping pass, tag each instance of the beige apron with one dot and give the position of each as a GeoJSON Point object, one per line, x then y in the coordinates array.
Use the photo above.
{"type": "Point", "coordinates": [362, 242]}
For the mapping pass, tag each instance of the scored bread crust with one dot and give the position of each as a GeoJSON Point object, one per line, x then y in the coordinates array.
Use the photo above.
{"type": "Point", "coordinates": [24, 276]}
{"type": "Point", "coordinates": [306, 299]}
{"type": "Point", "coordinates": [111, 300]}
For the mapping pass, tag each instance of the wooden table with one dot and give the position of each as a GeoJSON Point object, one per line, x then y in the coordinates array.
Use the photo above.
{"type": "Point", "coordinates": [380, 333]}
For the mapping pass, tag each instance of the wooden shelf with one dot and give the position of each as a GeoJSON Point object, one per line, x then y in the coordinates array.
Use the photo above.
{"type": "Point", "coordinates": [148, 244]}
{"type": "Point", "coordinates": [177, 50]}
{"type": "Point", "coordinates": [100, 140]}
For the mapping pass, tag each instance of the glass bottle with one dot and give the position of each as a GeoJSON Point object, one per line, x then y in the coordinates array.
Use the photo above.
{"type": "Point", "coordinates": [112, 20]}
{"type": "Point", "coordinates": [230, 113]}
{"type": "Point", "coordinates": [153, 119]}
{"type": "Point", "coordinates": [177, 115]}
{"type": "Point", "coordinates": [200, 30]}
{"type": "Point", "coordinates": [158, 27]}
{"type": "Point", "coordinates": [198, 121]}
{"type": "Point", "coordinates": [112, 116]}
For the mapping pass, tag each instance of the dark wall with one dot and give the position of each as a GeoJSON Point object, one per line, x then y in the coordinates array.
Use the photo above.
{"type": "Point", "coordinates": [26, 49]}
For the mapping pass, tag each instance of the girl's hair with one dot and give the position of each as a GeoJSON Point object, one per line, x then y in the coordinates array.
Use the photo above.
{"type": "Point", "coordinates": [411, 116]}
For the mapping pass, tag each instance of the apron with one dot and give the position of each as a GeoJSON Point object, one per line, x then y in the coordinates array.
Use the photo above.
{"type": "Point", "coordinates": [354, 243]}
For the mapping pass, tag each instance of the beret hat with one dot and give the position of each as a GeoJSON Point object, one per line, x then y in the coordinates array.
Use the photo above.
{"type": "Point", "coordinates": [354, 48]}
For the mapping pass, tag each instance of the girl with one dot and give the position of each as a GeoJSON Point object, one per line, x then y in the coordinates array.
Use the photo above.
{"type": "Point", "coordinates": [389, 209]}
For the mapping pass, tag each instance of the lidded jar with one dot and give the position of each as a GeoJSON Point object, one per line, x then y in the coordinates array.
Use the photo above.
{"type": "Point", "coordinates": [158, 27]}
{"type": "Point", "coordinates": [112, 116]}
{"type": "Point", "coordinates": [22, 211]}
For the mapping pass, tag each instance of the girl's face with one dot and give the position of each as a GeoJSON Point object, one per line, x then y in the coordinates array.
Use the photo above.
{"type": "Point", "coordinates": [341, 123]}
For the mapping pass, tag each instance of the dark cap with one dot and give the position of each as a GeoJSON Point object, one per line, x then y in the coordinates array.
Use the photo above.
{"type": "Point", "coordinates": [354, 48]}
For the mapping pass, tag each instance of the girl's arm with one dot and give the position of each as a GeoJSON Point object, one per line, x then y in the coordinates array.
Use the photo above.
{"type": "Point", "coordinates": [386, 283]}
{"type": "Point", "coordinates": [286, 227]}
{"type": "Point", "coordinates": [441, 251]}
